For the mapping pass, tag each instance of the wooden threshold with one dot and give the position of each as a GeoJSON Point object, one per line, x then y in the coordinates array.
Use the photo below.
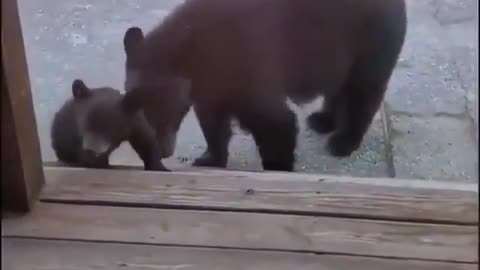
{"type": "Point", "coordinates": [277, 193]}
{"type": "Point", "coordinates": [211, 219]}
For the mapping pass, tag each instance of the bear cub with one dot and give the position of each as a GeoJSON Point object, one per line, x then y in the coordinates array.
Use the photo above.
{"type": "Point", "coordinates": [94, 122]}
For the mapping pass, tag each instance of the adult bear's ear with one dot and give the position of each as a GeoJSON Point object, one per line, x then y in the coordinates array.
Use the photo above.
{"type": "Point", "coordinates": [133, 37]}
{"type": "Point", "coordinates": [80, 90]}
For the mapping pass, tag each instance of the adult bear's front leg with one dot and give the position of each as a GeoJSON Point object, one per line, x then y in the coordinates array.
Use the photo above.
{"type": "Point", "coordinates": [215, 125]}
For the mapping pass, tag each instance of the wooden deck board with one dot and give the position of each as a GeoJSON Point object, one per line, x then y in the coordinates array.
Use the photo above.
{"type": "Point", "coordinates": [254, 192]}
{"type": "Point", "coordinates": [248, 231]}
{"type": "Point", "coordinates": [208, 219]}
{"type": "Point", "coordinates": [29, 254]}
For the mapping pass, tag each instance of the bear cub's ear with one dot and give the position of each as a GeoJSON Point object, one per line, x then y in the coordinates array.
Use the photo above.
{"type": "Point", "coordinates": [79, 89]}
{"type": "Point", "coordinates": [133, 37]}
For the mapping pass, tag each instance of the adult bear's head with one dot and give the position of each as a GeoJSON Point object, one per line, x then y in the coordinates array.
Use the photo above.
{"type": "Point", "coordinates": [155, 85]}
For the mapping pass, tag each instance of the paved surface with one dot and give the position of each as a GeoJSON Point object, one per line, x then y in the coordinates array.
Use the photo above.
{"type": "Point", "coordinates": [427, 130]}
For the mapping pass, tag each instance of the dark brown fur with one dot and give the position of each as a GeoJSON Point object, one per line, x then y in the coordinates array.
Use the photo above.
{"type": "Point", "coordinates": [103, 113]}
{"type": "Point", "coordinates": [243, 58]}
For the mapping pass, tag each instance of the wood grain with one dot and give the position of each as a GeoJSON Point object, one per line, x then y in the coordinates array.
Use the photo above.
{"type": "Point", "coordinates": [248, 231]}
{"type": "Point", "coordinates": [293, 176]}
{"type": "Point", "coordinates": [29, 254]}
{"type": "Point", "coordinates": [245, 192]}
{"type": "Point", "coordinates": [22, 172]}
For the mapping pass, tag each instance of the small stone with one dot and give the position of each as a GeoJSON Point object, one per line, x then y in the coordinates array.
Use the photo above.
{"type": "Point", "coordinates": [250, 192]}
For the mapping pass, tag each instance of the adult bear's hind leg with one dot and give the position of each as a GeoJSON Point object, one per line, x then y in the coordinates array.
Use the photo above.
{"type": "Point", "coordinates": [274, 129]}
{"type": "Point", "coordinates": [365, 88]}
{"type": "Point", "coordinates": [215, 125]}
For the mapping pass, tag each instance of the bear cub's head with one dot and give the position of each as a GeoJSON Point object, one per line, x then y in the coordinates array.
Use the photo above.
{"type": "Point", "coordinates": [91, 124]}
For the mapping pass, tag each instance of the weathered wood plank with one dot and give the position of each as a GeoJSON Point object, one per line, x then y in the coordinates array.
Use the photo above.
{"type": "Point", "coordinates": [248, 230]}
{"type": "Point", "coordinates": [296, 176]}
{"type": "Point", "coordinates": [22, 172]}
{"type": "Point", "coordinates": [301, 176]}
{"type": "Point", "coordinates": [30, 254]}
{"type": "Point", "coordinates": [235, 191]}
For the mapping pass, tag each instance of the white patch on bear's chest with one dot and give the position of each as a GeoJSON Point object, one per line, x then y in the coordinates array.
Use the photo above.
{"type": "Point", "coordinates": [95, 143]}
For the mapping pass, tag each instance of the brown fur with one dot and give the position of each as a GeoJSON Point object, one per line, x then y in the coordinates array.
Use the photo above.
{"type": "Point", "coordinates": [101, 113]}
{"type": "Point", "coordinates": [243, 58]}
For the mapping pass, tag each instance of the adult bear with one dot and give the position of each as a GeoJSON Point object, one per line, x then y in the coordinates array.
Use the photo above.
{"type": "Point", "coordinates": [243, 58]}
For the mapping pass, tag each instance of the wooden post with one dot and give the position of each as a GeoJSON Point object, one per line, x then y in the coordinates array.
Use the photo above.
{"type": "Point", "coordinates": [22, 171]}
